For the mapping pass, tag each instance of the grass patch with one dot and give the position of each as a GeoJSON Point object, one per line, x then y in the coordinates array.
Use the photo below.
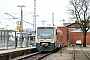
{"type": "Point", "coordinates": [55, 55]}
{"type": "Point", "coordinates": [69, 46]}
{"type": "Point", "coordinates": [63, 49]}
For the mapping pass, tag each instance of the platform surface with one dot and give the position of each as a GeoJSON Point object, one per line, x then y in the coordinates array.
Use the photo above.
{"type": "Point", "coordinates": [15, 50]}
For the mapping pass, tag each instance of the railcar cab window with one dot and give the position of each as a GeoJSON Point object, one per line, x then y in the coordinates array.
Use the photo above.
{"type": "Point", "coordinates": [45, 32]}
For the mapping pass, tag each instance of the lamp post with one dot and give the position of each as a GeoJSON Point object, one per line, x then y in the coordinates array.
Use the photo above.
{"type": "Point", "coordinates": [63, 21]}
{"type": "Point", "coordinates": [0, 22]}
{"type": "Point", "coordinates": [2, 26]}
{"type": "Point", "coordinates": [43, 21]}
{"type": "Point", "coordinates": [6, 26]}
{"type": "Point", "coordinates": [21, 24]}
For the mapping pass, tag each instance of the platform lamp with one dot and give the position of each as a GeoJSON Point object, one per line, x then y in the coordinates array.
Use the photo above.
{"type": "Point", "coordinates": [0, 22]}
{"type": "Point", "coordinates": [6, 26]}
{"type": "Point", "coordinates": [43, 21]}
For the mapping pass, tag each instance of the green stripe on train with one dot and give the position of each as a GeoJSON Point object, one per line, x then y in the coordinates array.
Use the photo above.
{"type": "Point", "coordinates": [37, 44]}
{"type": "Point", "coordinates": [51, 44]}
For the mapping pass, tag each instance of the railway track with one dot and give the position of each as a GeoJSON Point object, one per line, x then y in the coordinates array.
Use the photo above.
{"type": "Point", "coordinates": [35, 56]}
{"type": "Point", "coordinates": [79, 54]}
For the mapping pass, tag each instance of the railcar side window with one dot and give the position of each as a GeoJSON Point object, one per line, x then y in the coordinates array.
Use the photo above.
{"type": "Point", "coordinates": [56, 31]}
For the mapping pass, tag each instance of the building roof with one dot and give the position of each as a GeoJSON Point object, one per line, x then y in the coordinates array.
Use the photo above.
{"type": "Point", "coordinates": [66, 24]}
{"type": "Point", "coordinates": [8, 30]}
{"type": "Point", "coordinates": [79, 30]}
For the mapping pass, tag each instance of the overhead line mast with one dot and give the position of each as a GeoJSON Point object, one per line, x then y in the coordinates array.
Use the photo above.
{"type": "Point", "coordinates": [34, 17]}
{"type": "Point", "coordinates": [53, 19]}
{"type": "Point", "coordinates": [21, 24]}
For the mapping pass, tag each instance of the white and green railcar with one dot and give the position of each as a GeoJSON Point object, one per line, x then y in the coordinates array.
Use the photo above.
{"type": "Point", "coordinates": [48, 38]}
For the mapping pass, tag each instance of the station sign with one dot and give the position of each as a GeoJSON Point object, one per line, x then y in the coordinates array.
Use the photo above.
{"type": "Point", "coordinates": [18, 23]}
{"type": "Point", "coordinates": [18, 27]}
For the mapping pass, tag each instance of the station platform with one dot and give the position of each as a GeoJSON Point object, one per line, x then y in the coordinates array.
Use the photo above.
{"type": "Point", "coordinates": [8, 54]}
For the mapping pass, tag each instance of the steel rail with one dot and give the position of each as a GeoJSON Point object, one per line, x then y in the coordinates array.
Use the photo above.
{"type": "Point", "coordinates": [73, 53]}
{"type": "Point", "coordinates": [29, 56]}
{"type": "Point", "coordinates": [85, 54]}
{"type": "Point", "coordinates": [43, 56]}
{"type": "Point", "coordinates": [35, 56]}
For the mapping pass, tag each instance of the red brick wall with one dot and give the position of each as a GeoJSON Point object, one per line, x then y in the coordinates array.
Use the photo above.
{"type": "Point", "coordinates": [79, 36]}
{"type": "Point", "coordinates": [65, 36]}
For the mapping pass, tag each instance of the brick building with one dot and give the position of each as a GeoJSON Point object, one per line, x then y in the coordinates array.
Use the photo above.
{"type": "Point", "coordinates": [75, 33]}
{"type": "Point", "coordinates": [78, 35]}
{"type": "Point", "coordinates": [65, 34]}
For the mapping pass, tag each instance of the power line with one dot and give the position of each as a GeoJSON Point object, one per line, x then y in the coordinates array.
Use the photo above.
{"type": "Point", "coordinates": [17, 18]}
{"type": "Point", "coordinates": [28, 13]}
{"type": "Point", "coordinates": [14, 13]}
{"type": "Point", "coordinates": [2, 18]}
{"type": "Point", "coordinates": [25, 14]}
{"type": "Point", "coordinates": [4, 5]}
{"type": "Point", "coordinates": [8, 4]}
{"type": "Point", "coordinates": [48, 5]}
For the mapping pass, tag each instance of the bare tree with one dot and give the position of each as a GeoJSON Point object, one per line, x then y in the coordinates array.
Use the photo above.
{"type": "Point", "coordinates": [79, 9]}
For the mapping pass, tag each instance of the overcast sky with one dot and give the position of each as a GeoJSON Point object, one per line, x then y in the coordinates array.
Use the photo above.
{"type": "Point", "coordinates": [44, 10]}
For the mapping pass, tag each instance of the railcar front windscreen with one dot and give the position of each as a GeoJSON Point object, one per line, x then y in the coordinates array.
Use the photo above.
{"type": "Point", "coordinates": [45, 32]}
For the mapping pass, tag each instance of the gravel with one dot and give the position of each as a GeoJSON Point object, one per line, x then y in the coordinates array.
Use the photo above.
{"type": "Point", "coordinates": [64, 55]}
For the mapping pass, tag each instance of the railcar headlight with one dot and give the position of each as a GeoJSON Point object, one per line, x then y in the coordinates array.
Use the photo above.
{"type": "Point", "coordinates": [38, 40]}
{"type": "Point", "coordinates": [51, 40]}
